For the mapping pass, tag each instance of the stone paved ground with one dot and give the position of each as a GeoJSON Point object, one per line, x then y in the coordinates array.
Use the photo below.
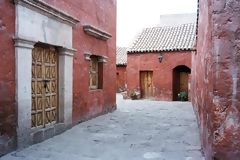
{"type": "Point", "coordinates": [138, 130]}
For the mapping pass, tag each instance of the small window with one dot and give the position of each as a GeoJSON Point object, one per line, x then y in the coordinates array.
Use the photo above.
{"type": "Point", "coordinates": [95, 77]}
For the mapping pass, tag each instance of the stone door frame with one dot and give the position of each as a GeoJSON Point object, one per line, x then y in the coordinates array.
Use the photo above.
{"type": "Point", "coordinates": [25, 39]}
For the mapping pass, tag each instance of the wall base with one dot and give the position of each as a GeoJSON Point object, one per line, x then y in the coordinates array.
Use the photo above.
{"type": "Point", "coordinates": [7, 144]}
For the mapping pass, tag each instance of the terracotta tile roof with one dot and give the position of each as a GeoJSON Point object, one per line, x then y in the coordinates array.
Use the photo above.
{"type": "Point", "coordinates": [168, 38]}
{"type": "Point", "coordinates": [121, 56]}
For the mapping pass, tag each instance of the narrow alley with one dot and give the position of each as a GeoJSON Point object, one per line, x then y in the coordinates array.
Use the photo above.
{"type": "Point", "coordinates": [137, 130]}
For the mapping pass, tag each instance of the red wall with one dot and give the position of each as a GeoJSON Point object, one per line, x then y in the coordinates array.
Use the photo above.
{"type": "Point", "coordinates": [216, 79]}
{"type": "Point", "coordinates": [101, 14]}
{"type": "Point", "coordinates": [122, 77]}
{"type": "Point", "coordinates": [7, 76]}
{"type": "Point", "coordinates": [162, 72]}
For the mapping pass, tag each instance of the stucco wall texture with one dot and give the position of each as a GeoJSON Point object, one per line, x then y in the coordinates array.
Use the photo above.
{"type": "Point", "coordinates": [122, 77]}
{"type": "Point", "coordinates": [162, 72]}
{"type": "Point", "coordinates": [215, 78]}
{"type": "Point", "coordinates": [7, 77]}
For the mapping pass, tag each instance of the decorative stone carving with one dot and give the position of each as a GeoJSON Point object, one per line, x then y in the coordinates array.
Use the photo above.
{"type": "Point", "coordinates": [67, 51]}
{"type": "Point", "coordinates": [103, 59]}
{"type": "Point", "coordinates": [48, 10]}
{"type": "Point", "coordinates": [23, 42]}
{"type": "Point", "coordinates": [97, 33]}
{"type": "Point", "coordinates": [87, 55]}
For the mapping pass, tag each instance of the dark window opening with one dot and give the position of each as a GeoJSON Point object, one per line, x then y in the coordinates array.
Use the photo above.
{"type": "Point", "coordinates": [180, 83]}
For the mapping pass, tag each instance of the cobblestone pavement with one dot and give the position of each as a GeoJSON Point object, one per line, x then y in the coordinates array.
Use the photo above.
{"type": "Point", "coordinates": [138, 130]}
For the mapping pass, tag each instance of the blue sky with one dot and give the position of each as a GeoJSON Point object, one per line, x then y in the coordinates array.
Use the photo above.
{"type": "Point", "coordinates": [134, 15]}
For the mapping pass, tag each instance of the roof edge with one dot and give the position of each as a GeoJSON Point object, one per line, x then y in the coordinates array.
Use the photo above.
{"type": "Point", "coordinates": [153, 51]}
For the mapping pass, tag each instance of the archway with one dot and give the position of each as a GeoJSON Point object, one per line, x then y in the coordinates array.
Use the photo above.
{"type": "Point", "coordinates": [180, 81]}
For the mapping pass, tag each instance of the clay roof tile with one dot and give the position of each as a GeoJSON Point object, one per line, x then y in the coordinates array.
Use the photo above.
{"type": "Point", "coordinates": [167, 38]}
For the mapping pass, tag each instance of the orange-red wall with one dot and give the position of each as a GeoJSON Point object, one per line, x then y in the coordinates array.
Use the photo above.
{"type": "Point", "coordinates": [101, 14]}
{"type": "Point", "coordinates": [121, 78]}
{"type": "Point", "coordinates": [162, 72]}
{"type": "Point", "coordinates": [216, 78]}
{"type": "Point", "coordinates": [7, 76]}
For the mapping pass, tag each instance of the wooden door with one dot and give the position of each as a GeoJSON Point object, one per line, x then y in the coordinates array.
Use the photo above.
{"type": "Point", "coordinates": [184, 82]}
{"type": "Point", "coordinates": [146, 84]}
{"type": "Point", "coordinates": [44, 86]}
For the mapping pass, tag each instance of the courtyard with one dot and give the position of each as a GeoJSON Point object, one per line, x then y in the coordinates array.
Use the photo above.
{"type": "Point", "coordinates": [137, 130]}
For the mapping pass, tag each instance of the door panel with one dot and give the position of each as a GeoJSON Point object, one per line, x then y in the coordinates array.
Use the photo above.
{"type": "Point", "coordinates": [184, 81]}
{"type": "Point", "coordinates": [146, 84]}
{"type": "Point", "coordinates": [44, 86]}
{"type": "Point", "coordinates": [180, 80]}
{"type": "Point", "coordinates": [180, 83]}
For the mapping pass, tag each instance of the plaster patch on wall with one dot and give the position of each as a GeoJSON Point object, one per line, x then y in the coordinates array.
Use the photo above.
{"type": "Point", "coordinates": [219, 6]}
{"type": "Point", "coordinates": [237, 34]}
{"type": "Point", "coordinates": [216, 100]}
{"type": "Point", "coordinates": [2, 26]}
{"type": "Point", "coordinates": [218, 134]}
{"type": "Point", "coordinates": [231, 124]}
{"type": "Point", "coordinates": [231, 5]}
{"type": "Point", "coordinates": [232, 121]}
{"type": "Point", "coordinates": [206, 69]}
{"type": "Point", "coordinates": [234, 85]}
{"type": "Point", "coordinates": [44, 31]}
{"type": "Point", "coordinates": [234, 92]}
{"type": "Point", "coordinates": [151, 155]}
{"type": "Point", "coordinates": [217, 45]}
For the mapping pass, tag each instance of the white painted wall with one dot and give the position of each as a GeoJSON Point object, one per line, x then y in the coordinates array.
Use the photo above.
{"type": "Point", "coordinates": [36, 26]}
{"type": "Point", "coordinates": [23, 93]}
{"type": "Point", "coordinates": [177, 19]}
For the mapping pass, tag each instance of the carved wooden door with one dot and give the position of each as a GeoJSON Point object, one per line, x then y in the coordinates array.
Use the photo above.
{"type": "Point", "coordinates": [44, 86]}
{"type": "Point", "coordinates": [146, 84]}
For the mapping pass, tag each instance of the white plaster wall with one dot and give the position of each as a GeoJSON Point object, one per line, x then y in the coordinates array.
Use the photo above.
{"type": "Point", "coordinates": [36, 26]}
{"type": "Point", "coordinates": [65, 87]}
{"type": "Point", "coordinates": [23, 94]}
{"type": "Point", "coordinates": [177, 19]}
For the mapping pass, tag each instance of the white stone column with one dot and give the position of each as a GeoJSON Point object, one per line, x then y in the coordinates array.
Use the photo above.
{"type": "Point", "coordinates": [23, 55]}
{"type": "Point", "coordinates": [65, 85]}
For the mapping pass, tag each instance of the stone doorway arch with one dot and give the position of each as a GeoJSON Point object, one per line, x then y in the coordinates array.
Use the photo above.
{"type": "Point", "coordinates": [181, 75]}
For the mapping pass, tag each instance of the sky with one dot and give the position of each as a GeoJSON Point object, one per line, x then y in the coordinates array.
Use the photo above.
{"type": "Point", "coordinates": [134, 15]}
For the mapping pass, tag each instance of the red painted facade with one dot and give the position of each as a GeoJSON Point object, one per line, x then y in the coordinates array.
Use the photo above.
{"type": "Point", "coordinates": [215, 78]}
{"type": "Point", "coordinates": [121, 80]}
{"type": "Point", "coordinates": [90, 103]}
{"type": "Point", "coordinates": [162, 72]}
{"type": "Point", "coordinates": [7, 76]}
{"type": "Point", "coordinates": [86, 103]}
